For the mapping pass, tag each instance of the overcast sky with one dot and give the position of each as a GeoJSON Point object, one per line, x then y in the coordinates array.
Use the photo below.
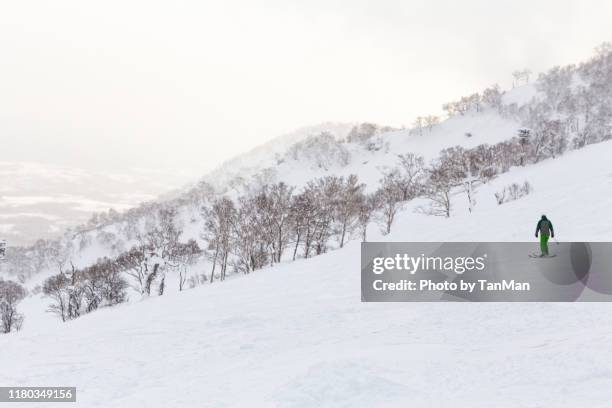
{"type": "Point", "coordinates": [184, 85]}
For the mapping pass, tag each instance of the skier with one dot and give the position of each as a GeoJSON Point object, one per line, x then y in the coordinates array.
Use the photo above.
{"type": "Point", "coordinates": [545, 229]}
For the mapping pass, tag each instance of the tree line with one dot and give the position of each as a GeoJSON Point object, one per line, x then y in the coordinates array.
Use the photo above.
{"type": "Point", "coordinates": [276, 222]}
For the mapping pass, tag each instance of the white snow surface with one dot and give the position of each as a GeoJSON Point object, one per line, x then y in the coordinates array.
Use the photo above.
{"type": "Point", "coordinates": [486, 127]}
{"type": "Point", "coordinates": [297, 335]}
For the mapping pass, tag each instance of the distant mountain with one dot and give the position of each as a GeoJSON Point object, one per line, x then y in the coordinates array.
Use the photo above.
{"type": "Point", "coordinates": [41, 200]}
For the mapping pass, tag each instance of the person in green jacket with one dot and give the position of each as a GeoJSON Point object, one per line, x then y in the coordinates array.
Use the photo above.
{"type": "Point", "coordinates": [545, 229]}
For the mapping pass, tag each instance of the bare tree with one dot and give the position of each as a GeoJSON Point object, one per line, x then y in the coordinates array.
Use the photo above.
{"type": "Point", "coordinates": [390, 198]}
{"type": "Point", "coordinates": [492, 96]}
{"type": "Point", "coordinates": [474, 102]}
{"type": "Point", "coordinates": [410, 177]}
{"type": "Point", "coordinates": [11, 293]}
{"type": "Point", "coordinates": [361, 133]}
{"type": "Point", "coordinates": [463, 167]}
{"type": "Point", "coordinates": [325, 191]}
{"type": "Point", "coordinates": [82, 291]}
{"type": "Point", "coordinates": [279, 207]}
{"type": "Point", "coordinates": [419, 123]}
{"type": "Point", "coordinates": [513, 192]}
{"type": "Point", "coordinates": [161, 242]}
{"type": "Point", "coordinates": [218, 229]}
{"type": "Point", "coordinates": [56, 287]}
{"type": "Point", "coordinates": [431, 121]}
{"type": "Point", "coordinates": [348, 205]}
{"type": "Point", "coordinates": [163, 238]}
{"type": "Point", "coordinates": [367, 206]}
{"type": "Point", "coordinates": [521, 77]}
{"type": "Point", "coordinates": [103, 284]}
{"type": "Point", "coordinates": [450, 109]}
{"type": "Point", "coordinates": [303, 219]}
{"type": "Point", "coordinates": [133, 264]}
{"type": "Point", "coordinates": [185, 255]}
{"type": "Point", "coordinates": [251, 234]}
{"type": "Point", "coordinates": [438, 190]}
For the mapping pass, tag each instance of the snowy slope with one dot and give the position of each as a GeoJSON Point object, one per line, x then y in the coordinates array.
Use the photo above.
{"type": "Point", "coordinates": [272, 162]}
{"type": "Point", "coordinates": [297, 335]}
{"type": "Point", "coordinates": [574, 191]}
{"type": "Point", "coordinates": [486, 127]}
{"type": "Point", "coordinates": [263, 156]}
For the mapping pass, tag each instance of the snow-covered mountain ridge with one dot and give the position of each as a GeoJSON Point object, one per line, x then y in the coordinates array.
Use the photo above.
{"type": "Point", "coordinates": [293, 163]}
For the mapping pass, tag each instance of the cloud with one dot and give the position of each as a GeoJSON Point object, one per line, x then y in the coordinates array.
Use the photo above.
{"type": "Point", "coordinates": [185, 85]}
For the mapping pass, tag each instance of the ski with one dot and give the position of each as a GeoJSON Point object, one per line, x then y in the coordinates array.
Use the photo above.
{"type": "Point", "coordinates": [539, 256]}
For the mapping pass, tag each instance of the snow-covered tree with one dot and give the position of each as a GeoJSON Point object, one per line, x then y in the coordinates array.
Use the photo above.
{"type": "Point", "coordinates": [304, 210]}
{"type": "Point", "coordinates": [390, 199]}
{"type": "Point", "coordinates": [217, 233]}
{"type": "Point", "coordinates": [367, 207]}
{"type": "Point", "coordinates": [185, 255]}
{"type": "Point", "coordinates": [161, 240]}
{"type": "Point", "coordinates": [521, 77]}
{"type": "Point", "coordinates": [418, 125]}
{"type": "Point", "coordinates": [362, 133]}
{"type": "Point", "coordinates": [278, 206]}
{"type": "Point", "coordinates": [11, 293]}
{"type": "Point", "coordinates": [431, 121]}
{"type": "Point", "coordinates": [492, 97]}
{"type": "Point", "coordinates": [347, 206]}
{"type": "Point", "coordinates": [133, 264]}
{"type": "Point", "coordinates": [325, 191]}
{"type": "Point", "coordinates": [442, 176]}
{"type": "Point", "coordinates": [323, 150]}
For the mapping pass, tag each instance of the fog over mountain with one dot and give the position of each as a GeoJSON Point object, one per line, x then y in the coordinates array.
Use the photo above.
{"type": "Point", "coordinates": [40, 200]}
{"type": "Point", "coordinates": [113, 87]}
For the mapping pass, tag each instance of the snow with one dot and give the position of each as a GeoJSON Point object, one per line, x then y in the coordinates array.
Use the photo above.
{"type": "Point", "coordinates": [297, 335]}
{"type": "Point", "coordinates": [574, 191]}
{"type": "Point", "coordinates": [264, 156]}
{"type": "Point", "coordinates": [486, 127]}
{"type": "Point", "coordinates": [520, 95]}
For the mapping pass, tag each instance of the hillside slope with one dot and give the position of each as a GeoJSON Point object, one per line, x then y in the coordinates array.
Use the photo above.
{"type": "Point", "coordinates": [275, 161]}
{"type": "Point", "coordinates": [297, 335]}
{"type": "Point", "coordinates": [296, 159]}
